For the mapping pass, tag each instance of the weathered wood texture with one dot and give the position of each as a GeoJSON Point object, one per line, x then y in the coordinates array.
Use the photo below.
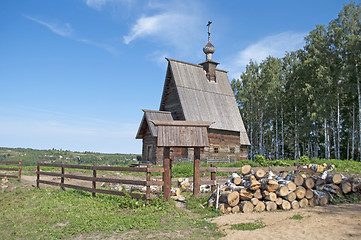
{"type": "Point", "coordinates": [11, 169]}
{"type": "Point", "coordinates": [94, 178]}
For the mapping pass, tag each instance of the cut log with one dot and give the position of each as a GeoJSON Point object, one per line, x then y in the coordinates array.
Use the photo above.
{"type": "Point", "coordinates": [296, 178]}
{"type": "Point", "coordinates": [300, 192]}
{"type": "Point", "coordinates": [291, 196]}
{"type": "Point", "coordinates": [236, 179]}
{"type": "Point", "coordinates": [260, 207]}
{"type": "Point", "coordinates": [282, 191]}
{"type": "Point", "coordinates": [252, 185]}
{"type": "Point", "coordinates": [270, 206]}
{"type": "Point", "coordinates": [356, 186]}
{"type": "Point", "coordinates": [346, 186]}
{"type": "Point", "coordinates": [318, 181]}
{"type": "Point", "coordinates": [303, 202]}
{"type": "Point", "coordinates": [279, 201]}
{"type": "Point", "coordinates": [309, 194]}
{"type": "Point", "coordinates": [175, 191]}
{"type": "Point", "coordinates": [254, 201]}
{"type": "Point", "coordinates": [334, 178]}
{"type": "Point", "coordinates": [331, 188]}
{"type": "Point", "coordinates": [225, 189]}
{"type": "Point", "coordinates": [260, 173]}
{"type": "Point", "coordinates": [247, 206]}
{"type": "Point", "coordinates": [321, 197]}
{"type": "Point", "coordinates": [258, 194]}
{"type": "Point", "coordinates": [235, 209]}
{"type": "Point", "coordinates": [225, 208]}
{"type": "Point", "coordinates": [236, 188]}
{"type": "Point", "coordinates": [312, 202]}
{"type": "Point", "coordinates": [211, 202]}
{"type": "Point", "coordinates": [231, 198]}
{"type": "Point", "coordinates": [291, 185]}
{"type": "Point", "coordinates": [244, 194]}
{"type": "Point", "coordinates": [295, 204]}
{"type": "Point", "coordinates": [309, 183]}
{"type": "Point", "coordinates": [246, 169]}
{"type": "Point", "coordinates": [285, 205]}
{"type": "Point", "coordinates": [272, 185]}
{"type": "Point", "coordinates": [270, 196]}
{"type": "Point", "coordinates": [249, 177]}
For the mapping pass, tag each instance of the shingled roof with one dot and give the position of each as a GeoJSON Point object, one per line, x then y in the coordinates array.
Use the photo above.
{"type": "Point", "coordinates": [203, 100]}
{"type": "Point", "coordinates": [148, 117]}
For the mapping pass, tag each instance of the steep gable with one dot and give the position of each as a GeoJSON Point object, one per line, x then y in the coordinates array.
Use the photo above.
{"type": "Point", "coordinates": [198, 99]}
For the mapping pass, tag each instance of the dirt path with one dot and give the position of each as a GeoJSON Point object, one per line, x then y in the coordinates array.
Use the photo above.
{"type": "Point", "coordinates": [327, 222]}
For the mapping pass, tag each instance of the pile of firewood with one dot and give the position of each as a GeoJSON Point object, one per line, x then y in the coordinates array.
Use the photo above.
{"type": "Point", "coordinates": [260, 190]}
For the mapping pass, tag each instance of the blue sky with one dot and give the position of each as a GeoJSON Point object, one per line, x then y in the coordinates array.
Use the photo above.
{"type": "Point", "coordinates": [75, 74]}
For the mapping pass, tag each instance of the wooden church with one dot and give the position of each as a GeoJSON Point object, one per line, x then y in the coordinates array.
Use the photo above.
{"type": "Point", "coordinates": [197, 93]}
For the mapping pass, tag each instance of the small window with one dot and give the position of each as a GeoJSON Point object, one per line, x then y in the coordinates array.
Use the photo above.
{"type": "Point", "coordinates": [216, 150]}
{"type": "Point", "coordinates": [232, 150]}
{"type": "Point", "coordinates": [222, 138]}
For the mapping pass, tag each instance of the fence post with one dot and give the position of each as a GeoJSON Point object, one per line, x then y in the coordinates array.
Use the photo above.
{"type": "Point", "coordinates": [37, 174]}
{"type": "Point", "coordinates": [196, 171]}
{"type": "Point", "coordinates": [20, 167]}
{"type": "Point", "coordinates": [62, 176]}
{"type": "Point", "coordinates": [297, 165]}
{"type": "Point", "coordinates": [167, 173]}
{"type": "Point", "coordinates": [94, 180]}
{"type": "Point", "coordinates": [213, 178]}
{"type": "Point", "coordinates": [148, 180]}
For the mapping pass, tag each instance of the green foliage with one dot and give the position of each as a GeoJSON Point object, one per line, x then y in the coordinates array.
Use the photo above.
{"type": "Point", "coordinates": [348, 198]}
{"type": "Point", "coordinates": [30, 157]}
{"type": "Point", "coordinates": [296, 217]}
{"type": "Point", "coordinates": [308, 101]}
{"type": "Point", "coordinates": [200, 206]}
{"type": "Point", "coordinates": [304, 160]}
{"type": "Point", "coordinates": [248, 226]}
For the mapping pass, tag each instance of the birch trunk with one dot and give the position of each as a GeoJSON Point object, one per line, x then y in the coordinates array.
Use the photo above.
{"type": "Point", "coordinates": [282, 134]}
{"type": "Point", "coordinates": [359, 107]}
{"type": "Point", "coordinates": [353, 133]}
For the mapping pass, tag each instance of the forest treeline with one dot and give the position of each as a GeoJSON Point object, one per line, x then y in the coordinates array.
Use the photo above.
{"type": "Point", "coordinates": [30, 157]}
{"type": "Point", "coordinates": [308, 102]}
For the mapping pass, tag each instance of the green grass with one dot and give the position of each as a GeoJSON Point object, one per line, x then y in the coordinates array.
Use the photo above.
{"type": "Point", "coordinates": [348, 198]}
{"type": "Point", "coordinates": [30, 213]}
{"type": "Point", "coordinates": [296, 217]}
{"type": "Point", "coordinates": [248, 226]}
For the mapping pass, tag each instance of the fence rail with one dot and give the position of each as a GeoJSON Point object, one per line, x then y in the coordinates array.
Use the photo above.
{"type": "Point", "coordinates": [18, 169]}
{"type": "Point", "coordinates": [94, 179]}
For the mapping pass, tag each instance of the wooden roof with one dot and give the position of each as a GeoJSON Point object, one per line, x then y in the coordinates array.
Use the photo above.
{"type": "Point", "coordinates": [182, 133]}
{"type": "Point", "coordinates": [202, 100]}
{"type": "Point", "coordinates": [148, 117]}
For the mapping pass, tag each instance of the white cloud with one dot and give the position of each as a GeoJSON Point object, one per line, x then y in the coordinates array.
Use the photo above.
{"type": "Point", "coordinates": [99, 4]}
{"type": "Point", "coordinates": [274, 45]}
{"type": "Point", "coordinates": [65, 30]}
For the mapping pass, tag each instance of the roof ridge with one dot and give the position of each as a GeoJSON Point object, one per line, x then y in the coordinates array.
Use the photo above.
{"type": "Point", "coordinates": [192, 64]}
{"type": "Point", "coordinates": [155, 111]}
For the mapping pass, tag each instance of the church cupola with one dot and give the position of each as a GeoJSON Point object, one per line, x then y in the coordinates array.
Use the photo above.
{"type": "Point", "coordinates": [209, 66]}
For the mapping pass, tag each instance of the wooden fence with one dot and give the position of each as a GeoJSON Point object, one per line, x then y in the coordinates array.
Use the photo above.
{"type": "Point", "coordinates": [213, 170]}
{"type": "Point", "coordinates": [11, 163]}
{"type": "Point", "coordinates": [94, 178]}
